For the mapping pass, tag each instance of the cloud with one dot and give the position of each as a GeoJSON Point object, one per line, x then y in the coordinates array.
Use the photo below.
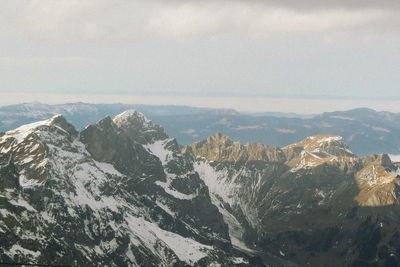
{"type": "Point", "coordinates": [329, 4]}
{"type": "Point", "coordinates": [194, 19]}
{"type": "Point", "coordinates": [185, 47]}
{"type": "Point", "coordinates": [132, 20]}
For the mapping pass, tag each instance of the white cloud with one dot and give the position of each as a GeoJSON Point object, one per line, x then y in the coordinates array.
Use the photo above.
{"type": "Point", "coordinates": [113, 20]}
{"type": "Point", "coordinates": [193, 18]}
{"type": "Point", "coordinates": [209, 48]}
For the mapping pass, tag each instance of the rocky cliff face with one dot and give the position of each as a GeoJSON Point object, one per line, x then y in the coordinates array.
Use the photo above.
{"type": "Point", "coordinates": [221, 148]}
{"type": "Point", "coordinates": [307, 202]}
{"type": "Point", "coordinates": [115, 194]}
{"type": "Point", "coordinates": [122, 193]}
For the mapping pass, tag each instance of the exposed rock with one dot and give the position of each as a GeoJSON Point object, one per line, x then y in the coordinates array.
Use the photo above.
{"type": "Point", "coordinates": [304, 205]}
{"type": "Point", "coordinates": [222, 148]}
{"type": "Point", "coordinates": [121, 192]}
{"type": "Point", "coordinates": [8, 172]}
{"type": "Point", "coordinates": [139, 128]}
{"type": "Point", "coordinates": [105, 198]}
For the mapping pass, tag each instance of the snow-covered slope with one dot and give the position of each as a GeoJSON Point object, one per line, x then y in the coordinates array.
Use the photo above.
{"type": "Point", "coordinates": [301, 202]}
{"type": "Point", "coordinates": [102, 198]}
{"type": "Point", "coordinates": [122, 193]}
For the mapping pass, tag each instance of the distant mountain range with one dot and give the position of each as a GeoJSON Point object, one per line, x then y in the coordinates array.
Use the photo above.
{"type": "Point", "coordinates": [366, 131]}
{"type": "Point", "coordinates": [121, 192]}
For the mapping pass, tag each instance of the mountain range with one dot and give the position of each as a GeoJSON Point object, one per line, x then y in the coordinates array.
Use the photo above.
{"type": "Point", "coordinates": [121, 192]}
{"type": "Point", "coordinates": [365, 131]}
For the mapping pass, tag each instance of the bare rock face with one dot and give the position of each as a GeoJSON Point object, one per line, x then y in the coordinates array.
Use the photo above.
{"type": "Point", "coordinates": [324, 144]}
{"type": "Point", "coordinates": [28, 152]}
{"type": "Point", "coordinates": [111, 194]}
{"type": "Point", "coordinates": [122, 193]}
{"type": "Point", "coordinates": [305, 200]}
{"type": "Point", "coordinates": [106, 142]}
{"type": "Point", "coordinates": [139, 128]}
{"type": "Point", "coordinates": [379, 183]}
{"type": "Point", "coordinates": [222, 148]}
{"type": "Point", "coordinates": [8, 172]}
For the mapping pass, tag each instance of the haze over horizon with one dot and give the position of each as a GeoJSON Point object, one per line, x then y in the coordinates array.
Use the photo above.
{"type": "Point", "coordinates": [244, 105]}
{"type": "Point", "coordinates": [254, 56]}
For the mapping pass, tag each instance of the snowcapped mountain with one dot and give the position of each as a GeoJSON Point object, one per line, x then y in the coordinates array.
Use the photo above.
{"type": "Point", "coordinates": [365, 131]}
{"type": "Point", "coordinates": [313, 202]}
{"type": "Point", "coordinates": [121, 192]}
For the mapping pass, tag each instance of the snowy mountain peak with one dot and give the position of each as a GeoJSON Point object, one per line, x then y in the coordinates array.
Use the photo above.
{"type": "Point", "coordinates": [21, 133]}
{"type": "Point", "coordinates": [126, 118]}
{"type": "Point", "coordinates": [137, 126]}
{"type": "Point", "coordinates": [121, 193]}
{"type": "Point", "coordinates": [114, 200]}
{"type": "Point", "coordinates": [60, 121]}
{"type": "Point", "coordinates": [28, 146]}
{"type": "Point", "coordinates": [324, 143]}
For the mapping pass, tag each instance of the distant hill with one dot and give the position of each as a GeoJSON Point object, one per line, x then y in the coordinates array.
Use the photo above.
{"type": "Point", "coordinates": [366, 131]}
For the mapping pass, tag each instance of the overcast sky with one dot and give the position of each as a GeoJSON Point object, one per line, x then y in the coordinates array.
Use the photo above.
{"type": "Point", "coordinates": [346, 53]}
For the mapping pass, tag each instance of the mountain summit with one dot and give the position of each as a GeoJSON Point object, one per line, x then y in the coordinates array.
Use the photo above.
{"type": "Point", "coordinates": [102, 196]}
{"type": "Point", "coordinates": [314, 192]}
{"type": "Point", "coordinates": [221, 148]}
{"type": "Point", "coordinates": [121, 192]}
{"type": "Point", "coordinates": [139, 127]}
{"type": "Point", "coordinates": [330, 145]}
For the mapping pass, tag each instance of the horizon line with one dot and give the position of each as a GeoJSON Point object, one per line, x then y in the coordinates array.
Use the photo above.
{"type": "Point", "coordinates": [300, 106]}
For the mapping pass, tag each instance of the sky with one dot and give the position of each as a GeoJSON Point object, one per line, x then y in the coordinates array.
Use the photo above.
{"type": "Point", "coordinates": [253, 55]}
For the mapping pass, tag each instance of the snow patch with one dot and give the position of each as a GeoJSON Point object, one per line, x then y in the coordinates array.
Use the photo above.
{"type": "Point", "coordinates": [158, 149]}
{"type": "Point", "coordinates": [47, 217]}
{"type": "Point", "coordinates": [219, 186]}
{"type": "Point", "coordinates": [24, 182]}
{"type": "Point", "coordinates": [166, 208]}
{"type": "Point", "coordinates": [394, 157]}
{"type": "Point", "coordinates": [215, 181]}
{"type": "Point", "coordinates": [17, 249]}
{"type": "Point", "coordinates": [124, 117]}
{"type": "Point", "coordinates": [22, 203]}
{"type": "Point", "coordinates": [22, 132]}
{"type": "Point", "coordinates": [107, 168]}
{"type": "Point", "coordinates": [342, 117]}
{"type": "Point", "coordinates": [187, 250]}
{"type": "Point", "coordinates": [5, 213]}
{"type": "Point", "coordinates": [174, 193]}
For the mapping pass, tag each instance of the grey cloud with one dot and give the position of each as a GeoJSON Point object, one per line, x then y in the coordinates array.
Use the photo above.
{"type": "Point", "coordinates": [122, 20]}
{"type": "Point", "coordinates": [307, 5]}
{"type": "Point", "coordinates": [242, 48]}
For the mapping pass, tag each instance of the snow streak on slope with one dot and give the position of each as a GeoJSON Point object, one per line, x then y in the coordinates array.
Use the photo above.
{"type": "Point", "coordinates": [160, 150]}
{"type": "Point", "coordinates": [76, 192]}
{"type": "Point", "coordinates": [221, 189]}
{"type": "Point", "coordinates": [216, 181]}
{"type": "Point", "coordinates": [22, 132]}
{"type": "Point", "coordinates": [186, 249]}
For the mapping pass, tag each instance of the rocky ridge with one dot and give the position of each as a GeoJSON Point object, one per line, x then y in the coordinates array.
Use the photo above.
{"type": "Point", "coordinates": [291, 203]}
{"type": "Point", "coordinates": [119, 193]}
{"type": "Point", "coordinates": [122, 193]}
